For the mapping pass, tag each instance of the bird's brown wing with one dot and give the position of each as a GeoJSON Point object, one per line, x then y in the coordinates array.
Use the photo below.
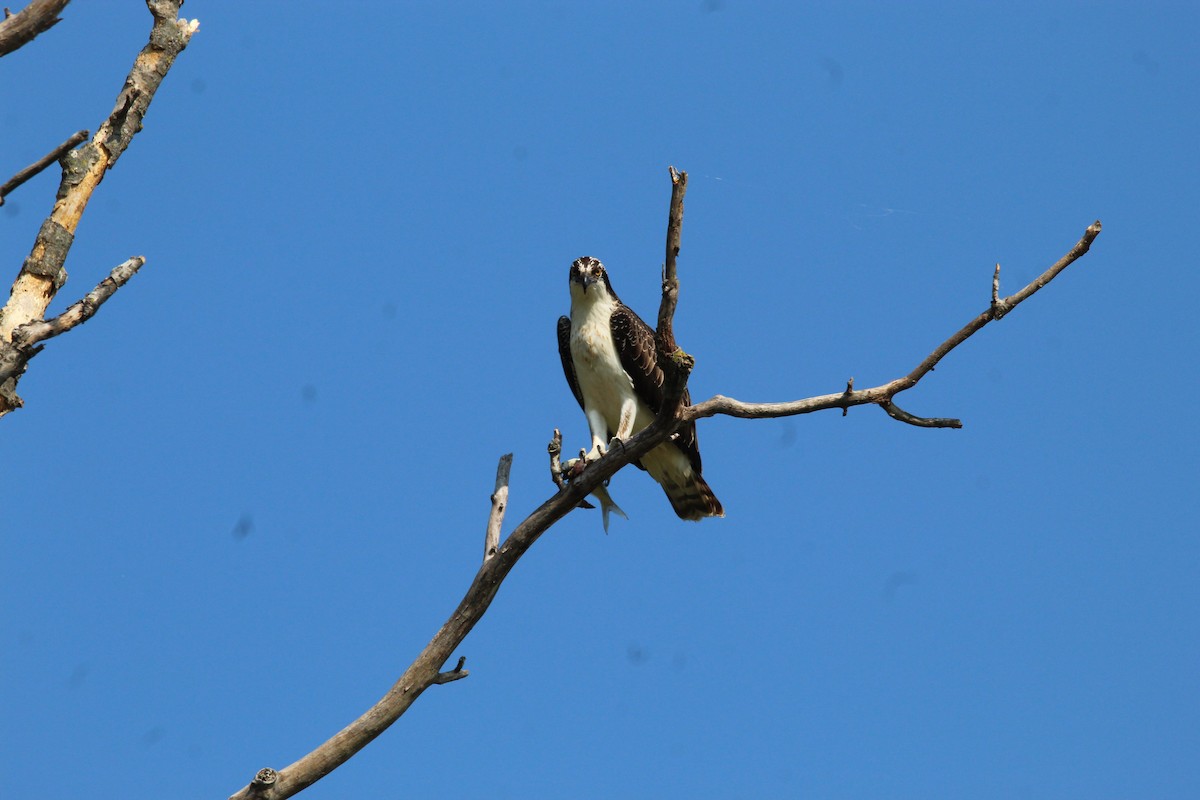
{"type": "Point", "coordinates": [564, 352]}
{"type": "Point", "coordinates": [639, 357]}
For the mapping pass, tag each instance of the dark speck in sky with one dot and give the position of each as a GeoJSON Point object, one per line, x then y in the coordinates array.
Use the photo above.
{"type": "Point", "coordinates": [834, 70]}
{"type": "Point", "coordinates": [243, 527]}
{"type": "Point", "coordinates": [1143, 60]}
{"type": "Point", "coordinates": [896, 580]}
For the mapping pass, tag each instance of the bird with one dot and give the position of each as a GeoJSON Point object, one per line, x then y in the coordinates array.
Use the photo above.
{"type": "Point", "coordinates": [612, 365]}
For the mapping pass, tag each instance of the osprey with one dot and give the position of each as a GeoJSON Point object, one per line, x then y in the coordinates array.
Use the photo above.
{"type": "Point", "coordinates": [611, 363]}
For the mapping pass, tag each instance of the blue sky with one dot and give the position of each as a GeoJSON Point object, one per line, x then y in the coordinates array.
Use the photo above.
{"type": "Point", "coordinates": [242, 498]}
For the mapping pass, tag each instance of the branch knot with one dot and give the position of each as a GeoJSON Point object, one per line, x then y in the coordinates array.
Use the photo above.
{"type": "Point", "coordinates": [265, 777]}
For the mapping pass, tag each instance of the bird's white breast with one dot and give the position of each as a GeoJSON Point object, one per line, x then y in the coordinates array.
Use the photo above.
{"type": "Point", "coordinates": [603, 382]}
{"type": "Point", "coordinates": [606, 387]}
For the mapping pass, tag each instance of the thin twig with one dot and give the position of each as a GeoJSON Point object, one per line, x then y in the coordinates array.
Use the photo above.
{"type": "Point", "coordinates": [79, 312]}
{"type": "Point", "coordinates": [884, 393]}
{"type": "Point", "coordinates": [456, 674]}
{"type": "Point", "coordinates": [1081, 247]}
{"type": "Point", "coordinates": [555, 451]}
{"type": "Point", "coordinates": [491, 541]}
{"type": "Point", "coordinates": [18, 30]}
{"type": "Point", "coordinates": [674, 362]}
{"type": "Point", "coordinates": [670, 280]}
{"type": "Point", "coordinates": [15, 355]}
{"type": "Point", "coordinates": [41, 164]}
{"type": "Point", "coordinates": [896, 412]}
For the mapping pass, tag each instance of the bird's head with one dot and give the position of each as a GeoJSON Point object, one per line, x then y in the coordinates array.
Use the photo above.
{"type": "Point", "coordinates": [590, 280]}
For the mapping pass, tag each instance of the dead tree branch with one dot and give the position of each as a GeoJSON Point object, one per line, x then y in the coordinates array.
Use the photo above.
{"type": "Point", "coordinates": [39, 165]}
{"type": "Point", "coordinates": [677, 365]}
{"type": "Point", "coordinates": [456, 674]}
{"type": "Point", "coordinates": [424, 672]}
{"type": "Point", "coordinates": [896, 412]}
{"type": "Point", "coordinates": [882, 395]}
{"type": "Point", "coordinates": [554, 449]}
{"type": "Point", "coordinates": [499, 504]}
{"type": "Point", "coordinates": [15, 356]}
{"type": "Point", "coordinates": [21, 28]}
{"type": "Point", "coordinates": [43, 273]}
{"type": "Point", "coordinates": [670, 280]}
{"type": "Point", "coordinates": [80, 312]}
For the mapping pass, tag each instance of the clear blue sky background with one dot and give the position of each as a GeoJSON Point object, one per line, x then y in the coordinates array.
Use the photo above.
{"type": "Point", "coordinates": [243, 497]}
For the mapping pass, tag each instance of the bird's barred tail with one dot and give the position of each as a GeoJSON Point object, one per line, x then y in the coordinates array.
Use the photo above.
{"type": "Point", "coordinates": [693, 499]}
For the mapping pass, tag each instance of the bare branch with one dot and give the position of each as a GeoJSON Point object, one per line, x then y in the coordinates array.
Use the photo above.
{"type": "Point", "coordinates": [884, 394]}
{"type": "Point", "coordinates": [670, 281]}
{"type": "Point", "coordinates": [499, 503]}
{"type": "Point", "coordinates": [675, 363]}
{"type": "Point", "coordinates": [1081, 247]}
{"type": "Point", "coordinates": [42, 274]}
{"type": "Point", "coordinates": [447, 677]}
{"type": "Point", "coordinates": [456, 674]}
{"type": "Point", "coordinates": [18, 30]}
{"type": "Point", "coordinates": [80, 312]}
{"type": "Point", "coordinates": [423, 672]}
{"type": "Point", "coordinates": [896, 412]}
{"type": "Point", "coordinates": [555, 450]}
{"type": "Point", "coordinates": [15, 356]}
{"type": "Point", "coordinates": [41, 164]}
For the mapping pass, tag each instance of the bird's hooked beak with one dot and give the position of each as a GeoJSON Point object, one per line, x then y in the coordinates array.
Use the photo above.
{"type": "Point", "coordinates": [585, 279]}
